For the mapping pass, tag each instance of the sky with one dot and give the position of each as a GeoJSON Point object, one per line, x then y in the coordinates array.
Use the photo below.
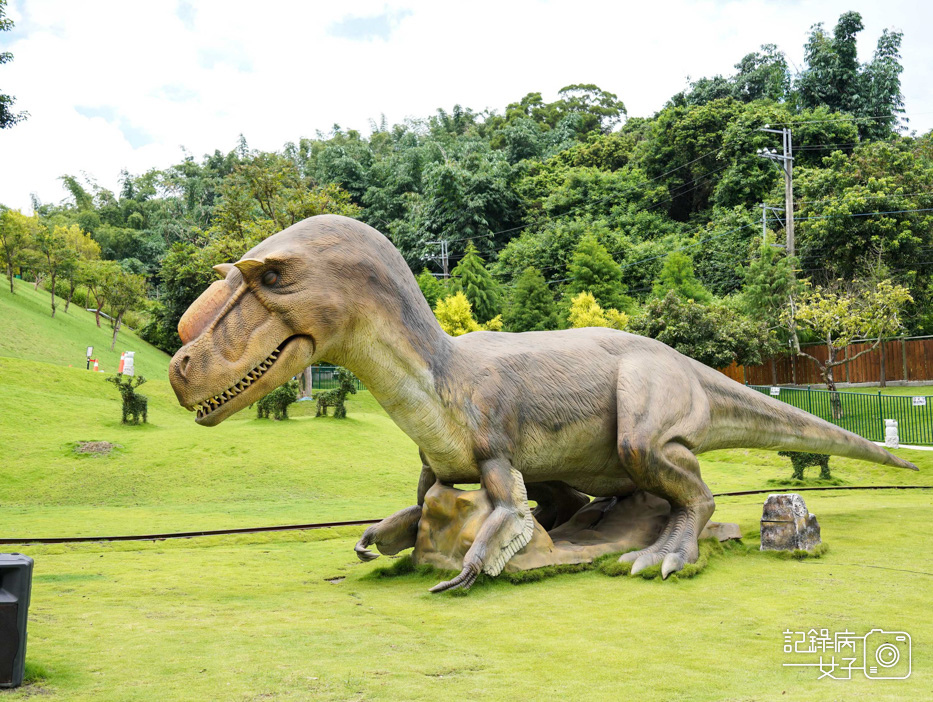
{"type": "Point", "coordinates": [126, 84]}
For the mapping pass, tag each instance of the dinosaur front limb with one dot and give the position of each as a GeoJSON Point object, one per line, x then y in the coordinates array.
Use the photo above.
{"type": "Point", "coordinates": [391, 535]}
{"type": "Point", "coordinates": [506, 531]}
{"type": "Point", "coordinates": [398, 532]}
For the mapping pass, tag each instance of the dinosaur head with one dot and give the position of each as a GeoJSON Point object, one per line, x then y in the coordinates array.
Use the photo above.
{"type": "Point", "coordinates": [276, 311]}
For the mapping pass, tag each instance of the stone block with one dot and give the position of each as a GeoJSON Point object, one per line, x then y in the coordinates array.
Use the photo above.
{"type": "Point", "coordinates": [786, 525]}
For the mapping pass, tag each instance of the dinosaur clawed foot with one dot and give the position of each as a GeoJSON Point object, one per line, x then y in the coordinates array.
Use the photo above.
{"type": "Point", "coordinates": [675, 547]}
{"type": "Point", "coordinates": [391, 535]}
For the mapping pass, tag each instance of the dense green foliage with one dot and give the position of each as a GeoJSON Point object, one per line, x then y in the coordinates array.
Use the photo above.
{"type": "Point", "coordinates": [7, 116]}
{"type": "Point", "coordinates": [532, 307]}
{"type": "Point", "coordinates": [714, 334]}
{"type": "Point", "coordinates": [626, 210]}
{"type": "Point", "coordinates": [471, 277]}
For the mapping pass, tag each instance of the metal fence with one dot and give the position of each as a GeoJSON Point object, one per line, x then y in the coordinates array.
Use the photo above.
{"type": "Point", "coordinates": [863, 413]}
{"type": "Point", "coordinates": [322, 377]}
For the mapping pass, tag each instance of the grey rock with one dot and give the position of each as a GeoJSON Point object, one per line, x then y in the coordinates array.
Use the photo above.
{"type": "Point", "coordinates": [786, 525]}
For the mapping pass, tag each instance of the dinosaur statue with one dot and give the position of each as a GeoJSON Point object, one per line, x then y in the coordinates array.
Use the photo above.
{"type": "Point", "coordinates": [547, 414]}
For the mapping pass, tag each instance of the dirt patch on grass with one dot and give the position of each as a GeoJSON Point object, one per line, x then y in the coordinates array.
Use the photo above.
{"type": "Point", "coordinates": [95, 448]}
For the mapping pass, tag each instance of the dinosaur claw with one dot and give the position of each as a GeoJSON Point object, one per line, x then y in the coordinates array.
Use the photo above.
{"type": "Point", "coordinates": [672, 563]}
{"type": "Point", "coordinates": [363, 553]}
{"type": "Point", "coordinates": [464, 581]}
{"type": "Point", "coordinates": [645, 560]}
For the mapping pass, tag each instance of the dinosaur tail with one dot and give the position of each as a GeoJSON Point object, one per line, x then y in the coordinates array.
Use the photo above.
{"type": "Point", "coordinates": [742, 417]}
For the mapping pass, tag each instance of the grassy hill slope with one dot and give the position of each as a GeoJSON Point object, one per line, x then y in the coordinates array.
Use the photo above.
{"type": "Point", "coordinates": [27, 330]}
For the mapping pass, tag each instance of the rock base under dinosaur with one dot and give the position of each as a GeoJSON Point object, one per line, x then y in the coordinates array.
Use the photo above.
{"type": "Point", "coordinates": [451, 518]}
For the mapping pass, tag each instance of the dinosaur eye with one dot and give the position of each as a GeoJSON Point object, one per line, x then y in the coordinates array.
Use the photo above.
{"type": "Point", "coordinates": [269, 278]}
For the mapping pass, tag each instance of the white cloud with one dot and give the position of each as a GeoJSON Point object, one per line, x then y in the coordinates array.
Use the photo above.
{"type": "Point", "coordinates": [113, 84]}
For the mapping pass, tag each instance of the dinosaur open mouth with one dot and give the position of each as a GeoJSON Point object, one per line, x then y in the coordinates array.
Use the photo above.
{"type": "Point", "coordinates": [219, 400]}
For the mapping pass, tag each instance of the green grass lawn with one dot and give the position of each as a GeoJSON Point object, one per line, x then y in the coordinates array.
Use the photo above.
{"type": "Point", "coordinates": [267, 616]}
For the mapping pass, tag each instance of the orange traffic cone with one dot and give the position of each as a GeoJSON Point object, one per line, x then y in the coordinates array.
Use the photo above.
{"type": "Point", "coordinates": [96, 368]}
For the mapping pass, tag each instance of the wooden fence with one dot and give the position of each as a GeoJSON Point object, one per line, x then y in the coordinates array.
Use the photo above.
{"type": "Point", "coordinates": [903, 359]}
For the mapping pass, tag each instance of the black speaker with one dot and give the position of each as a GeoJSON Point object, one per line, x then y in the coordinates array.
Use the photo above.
{"type": "Point", "coordinates": [15, 587]}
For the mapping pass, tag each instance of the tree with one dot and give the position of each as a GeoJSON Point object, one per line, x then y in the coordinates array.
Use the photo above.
{"type": "Point", "coordinates": [81, 249]}
{"type": "Point", "coordinates": [472, 278]}
{"type": "Point", "coordinates": [586, 312]}
{"type": "Point", "coordinates": [123, 291]}
{"type": "Point", "coordinates": [844, 311]}
{"type": "Point", "coordinates": [831, 75]}
{"type": "Point", "coordinates": [455, 316]}
{"type": "Point", "coordinates": [834, 78]}
{"type": "Point", "coordinates": [594, 271]}
{"type": "Point", "coordinates": [531, 307]}
{"type": "Point", "coordinates": [99, 277]}
{"type": "Point", "coordinates": [715, 334]}
{"type": "Point", "coordinates": [599, 109]}
{"type": "Point", "coordinates": [762, 75]}
{"type": "Point", "coordinates": [51, 244]}
{"type": "Point", "coordinates": [769, 282]}
{"type": "Point", "coordinates": [880, 86]}
{"type": "Point", "coordinates": [677, 276]}
{"type": "Point", "coordinates": [7, 116]}
{"type": "Point", "coordinates": [17, 235]}
{"type": "Point", "coordinates": [432, 289]}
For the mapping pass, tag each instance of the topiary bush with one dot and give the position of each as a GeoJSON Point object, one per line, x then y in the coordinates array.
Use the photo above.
{"type": "Point", "coordinates": [335, 398]}
{"type": "Point", "coordinates": [134, 404]}
{"type": "Point", "coordinates": [276, 402]}
{"type": "Point", "coordinates": [801, 460]}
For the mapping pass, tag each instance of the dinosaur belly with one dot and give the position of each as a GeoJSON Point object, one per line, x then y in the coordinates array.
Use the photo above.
{"type": "Point", "coordinates": [582, 454]}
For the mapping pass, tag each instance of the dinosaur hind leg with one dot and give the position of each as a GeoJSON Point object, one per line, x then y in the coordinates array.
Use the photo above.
{"type": "Point", "coordinates": [672, 472]}
{"type": "Point", "coordinates": [663, 412]}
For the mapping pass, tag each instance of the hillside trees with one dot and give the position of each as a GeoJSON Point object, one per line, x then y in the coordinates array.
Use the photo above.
{"type": "Point", "coordinates": [585, 311]}
{"type": "Point", "coordinates": [124, 291]}
{"type": "Point", "coordinates": [17, 234]}
{"type": "Point", "coordinates": [715, 334]}
{"type": "Point", "coordinates": [833, 77]}
{"type": "Point", "coordinates": [50, 242]}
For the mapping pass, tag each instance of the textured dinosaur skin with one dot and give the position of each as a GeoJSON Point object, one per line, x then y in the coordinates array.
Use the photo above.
{"type": "Point", "coordinates": [594, 411]}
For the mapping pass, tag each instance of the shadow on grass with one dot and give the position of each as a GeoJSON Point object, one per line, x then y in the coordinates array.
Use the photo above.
{"type": "Point", "coordinates": [806, 482]}
{"type": "Point", "coordinates": [710, 550]}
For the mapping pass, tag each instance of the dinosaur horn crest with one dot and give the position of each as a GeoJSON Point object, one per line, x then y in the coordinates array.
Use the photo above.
{"type": "Point", "coordinates": [246, 265]}
{"type": "Point", "coordinates": [196, 319]}
{"type": "Point", "coordinates": [223, 268]}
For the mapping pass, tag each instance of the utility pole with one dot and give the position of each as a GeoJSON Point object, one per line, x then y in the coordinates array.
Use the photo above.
{"type": "Point", "coordinates": [786, 159]}
{"type": "Point", "coordinates": [443, 258]}
{"type": "Point", "coordinates": [787, 163]}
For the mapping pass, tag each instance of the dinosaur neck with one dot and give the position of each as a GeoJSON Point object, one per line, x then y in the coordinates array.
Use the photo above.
{"type": "Point", "coordinates": [400, 353]}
